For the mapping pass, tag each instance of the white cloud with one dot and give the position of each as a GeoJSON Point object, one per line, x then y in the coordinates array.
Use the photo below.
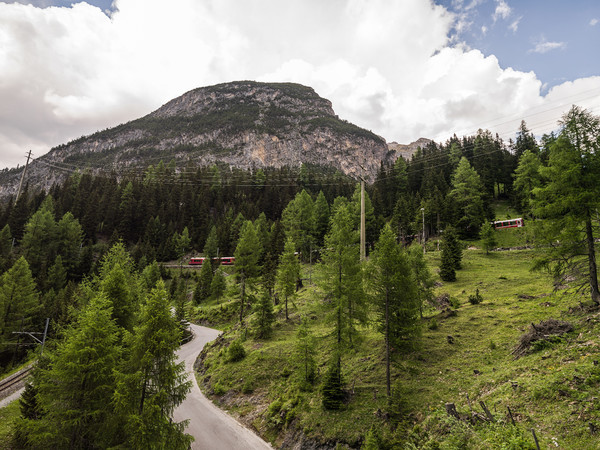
{"type": "Point", "coordinates": [545, 46]}
{"type": "Point", "coordinates": [502, 10]}
{"type": "Point", "coordinates": [514, 26]}
{"type": "Point", "coordinates": [593, 22]}
{"type": "Point", "coordinates": [65, 72]}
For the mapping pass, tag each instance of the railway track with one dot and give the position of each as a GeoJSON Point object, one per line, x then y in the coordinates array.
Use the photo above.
{"type": "Point", "coordinates": [11, 383]}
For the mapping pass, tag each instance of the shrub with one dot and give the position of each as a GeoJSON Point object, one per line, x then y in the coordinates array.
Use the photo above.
{"type": "Point", "coordinates": [236, 351]}
{"type": "Point", "coordinates": [475, 299]}
{"type": "Point", "coordinates": [333, 395]}
{"type": "Point", "coordinates": [433, 324]}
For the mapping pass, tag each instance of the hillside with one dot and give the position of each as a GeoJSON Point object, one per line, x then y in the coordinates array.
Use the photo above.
{"type": "Point", "coordinates": [466, 356]}
{"type": "Point", "coordinates": [243, 124]}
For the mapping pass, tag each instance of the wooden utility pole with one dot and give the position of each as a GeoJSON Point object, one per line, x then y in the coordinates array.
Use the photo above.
{"type": "Point", "coordinates": [23, 176]}
{"type": "Point", "coordinates": [363, 247]}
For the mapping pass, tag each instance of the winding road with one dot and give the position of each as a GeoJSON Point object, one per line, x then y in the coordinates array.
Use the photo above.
{"type": "Point", "coordinates": [212, 428]}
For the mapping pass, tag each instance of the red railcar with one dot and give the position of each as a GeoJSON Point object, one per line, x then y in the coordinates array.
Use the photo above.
{"type": "Point", "coordinates": [199, 260]}
{"type": "Point", "coordinates": [509, 223]}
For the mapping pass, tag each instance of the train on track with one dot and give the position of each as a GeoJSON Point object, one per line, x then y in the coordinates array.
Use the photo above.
{"type": "Point", "coordinates": [223, 260]}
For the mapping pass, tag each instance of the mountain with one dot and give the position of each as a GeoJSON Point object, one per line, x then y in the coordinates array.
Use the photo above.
{"type": "Point", "coordinates": [245, 124]}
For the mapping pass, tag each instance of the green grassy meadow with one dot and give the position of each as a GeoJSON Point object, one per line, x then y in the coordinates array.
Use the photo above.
{"type": "Point", "coordinates": [462, 358]}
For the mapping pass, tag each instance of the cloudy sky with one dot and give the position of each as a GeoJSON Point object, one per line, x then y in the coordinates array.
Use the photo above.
{"type": "Point", "coordinates": [404, 69]}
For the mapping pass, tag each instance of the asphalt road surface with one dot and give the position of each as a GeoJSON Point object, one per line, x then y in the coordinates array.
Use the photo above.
{"type": "Point", "coordinates": [212, 428]}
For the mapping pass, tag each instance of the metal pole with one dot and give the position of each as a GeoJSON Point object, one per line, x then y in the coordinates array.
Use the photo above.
{"type": "Point", "coordinates": [44, 337]}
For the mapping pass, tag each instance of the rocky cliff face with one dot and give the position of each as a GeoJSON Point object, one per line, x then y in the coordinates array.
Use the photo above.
{"type": "Point", "coordinates": [244, 124]}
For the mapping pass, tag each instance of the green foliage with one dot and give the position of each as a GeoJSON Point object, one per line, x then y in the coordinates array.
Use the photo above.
{"type": "Point", "coordinates": [475, 299]}
{"type": "Point", "coordinates": [247, 253]}
{"type": "Point", "coordinates": [19, 301]}
{"type": "Point", "coordinates": [203, 287]}
{"type": "Point", "coordinates": [153, 383]}
{"type": "Point", "coordinates": [288, 273]}
{"type": "Point", "coordinates": [305, 348]}
{"type": "Point", "coordinates": [75, 390]}
{"type": "Point", "coordinates": [451, 255]}
{"type": "Point", "coordinates": [264, 317]}
{"type": "Point", "coordinates": [467, 195]}
{"type": "Point", "coordinates": [218, 284]}
{"type": "Point", "coordinates": [488, 237]}
{"type": "Point", "coordinates": [333, 395]}
{"type": "Point", "coordinates": [236, 351]}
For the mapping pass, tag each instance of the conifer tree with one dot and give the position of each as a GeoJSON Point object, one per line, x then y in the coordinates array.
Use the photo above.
{"type": "Point", "coordinates": [451, 255]}
{"type": "Point", "coordinates": [321, 219]}
{"type": "Point", "coordinates": [246, 256]}
{"type": "Point", "coordinates": [5, 248]}
{"type": "Point", "coordinates": [152, 383]}
{"type": "Point", "coordinates": [467, 195]}
{"type": "Point", "coordinates": [75, 391]}
{"type": "Point", "coordinates": [19, 299]}
{"type": "Point", "coordinates": [488, 237]}
{"type": "Point", "coordinates": [211, 246]}
{"type": "Point", "coordinates": [305, 348]}
{"type": "Point", "coordinates": [218, 285]}
{"type": "Point", "coordinates": [343, 284]}
{"type": "Point", "coordinates": [264, 317]}
{"type": "Point", "coordinates": [288, 273]}
{"type": "Point", "coordinates": [396, 296]}
{"type": "Point", "coordinates": [202, 291]}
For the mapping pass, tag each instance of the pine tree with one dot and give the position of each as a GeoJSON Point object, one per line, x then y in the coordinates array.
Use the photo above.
{"type": "Point", "coordinates": [152, 384]}
{"type": "Point", "coordinates": [211, 246]}
{"type": "Point", "coordinates": [39, 240]}
{"type": "Point", "coordinates": [5, 248]}
{"type": "Point", "coordinates": [321, 219]}
{"type": "Point", "coordinates": [288, 273]}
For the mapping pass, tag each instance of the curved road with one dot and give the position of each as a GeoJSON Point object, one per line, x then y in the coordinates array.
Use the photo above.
{"type": "Point", "coordinates": [212, 428]}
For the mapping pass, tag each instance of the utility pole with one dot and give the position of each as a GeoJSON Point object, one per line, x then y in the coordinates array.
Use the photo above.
{"type": "Point", "coordinates": [423, 213]}
{"type": "Point", "coordinates": [363, 234]}
{"type": "Point", "coordinates": [23, 176]}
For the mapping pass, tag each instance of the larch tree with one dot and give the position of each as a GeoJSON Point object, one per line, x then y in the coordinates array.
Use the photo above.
{"type": "Point", "coordinates": [19, 300]}
{"type": "Point", "coordinates": [288, 273]}
{"type": "Point", "coordinates": [569, 199]}
{"type": "Point", "coordinates": [151, 383]}
{"type": "Point", "coordinates": [76, 389]}
{"type": "Point", "coordinates": [247, 253]}
{"type": "Point", "coordinates": [395, 295]}
{"type": "Point", "coordinates": [342, 282]}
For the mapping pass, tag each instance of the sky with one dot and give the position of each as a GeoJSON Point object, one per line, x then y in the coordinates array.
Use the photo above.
{"type": "Point", "coordinates": [404, 69]}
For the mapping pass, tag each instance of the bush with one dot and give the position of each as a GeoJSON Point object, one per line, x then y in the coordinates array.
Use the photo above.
{"type": "Point", "coordinates": [236, 351]}
{"type": "Point", "coordinates": [219, 389]}
{"type": "Point", "coordinates": [433, 324]}
{"type": "Point", "coordinates": [475, 299]}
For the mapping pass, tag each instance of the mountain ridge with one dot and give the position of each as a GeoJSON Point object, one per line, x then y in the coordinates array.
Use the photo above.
{"type": "Point", "coordinates": [244, 124]}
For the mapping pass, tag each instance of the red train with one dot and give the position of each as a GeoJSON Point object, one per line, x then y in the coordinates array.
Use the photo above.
{"type": "Point", "coordinates": [225, 260]}
{"type": "Point", "coordinates": [509, 223]}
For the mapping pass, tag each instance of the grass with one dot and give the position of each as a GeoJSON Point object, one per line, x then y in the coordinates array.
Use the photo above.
{"type": "Point", "coordinates": [8, 414]}
{"type": "Point", "coordinates": [551, 390]}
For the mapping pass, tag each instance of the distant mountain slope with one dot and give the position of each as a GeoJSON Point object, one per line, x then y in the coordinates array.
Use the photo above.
{"type": "Point", "coordinates": [244, 124]}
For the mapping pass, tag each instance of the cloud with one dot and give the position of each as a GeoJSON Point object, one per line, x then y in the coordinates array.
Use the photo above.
{"type": "Point", "coordinates": [544, 46]}
{"type": "Point", "coordinates": [593, 22]}
{"type": "Point", "coordinates": [502, 11]}
{"type": "Point", "coordinates": [514, 26]}
{"type": "Point", "coordinates": [65, 72]}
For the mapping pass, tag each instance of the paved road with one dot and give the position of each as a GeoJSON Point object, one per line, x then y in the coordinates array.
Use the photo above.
{"type": "Point", "coordinates": [212, 428]}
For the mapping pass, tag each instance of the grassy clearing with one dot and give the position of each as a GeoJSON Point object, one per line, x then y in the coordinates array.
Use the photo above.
{"type": "Point", "coordinates": [462, 358]}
